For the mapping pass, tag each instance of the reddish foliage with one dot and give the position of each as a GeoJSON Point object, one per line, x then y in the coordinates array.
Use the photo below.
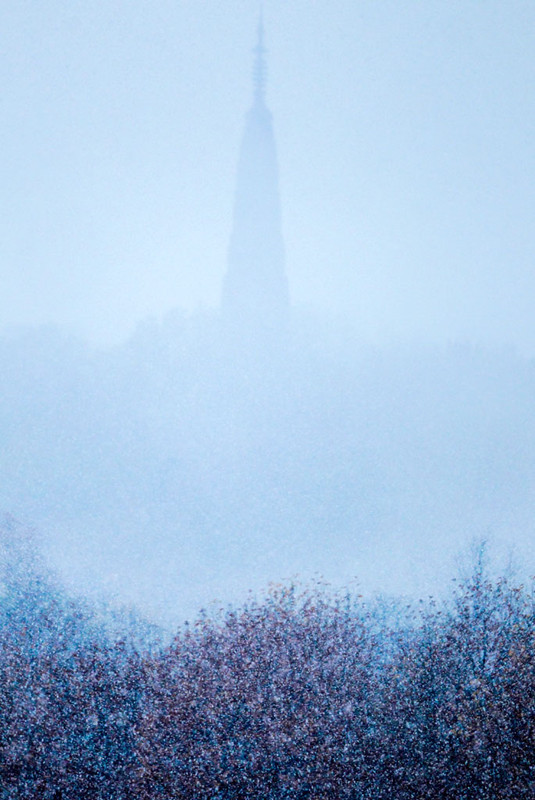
{"type": "Point", "coordinates": [299, 696]}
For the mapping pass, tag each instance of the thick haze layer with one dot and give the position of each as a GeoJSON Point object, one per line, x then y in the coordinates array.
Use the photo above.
{"type": "Point", "coordinates": [405, 138]}
{"type": "Point", "coordinates": [373, 430]}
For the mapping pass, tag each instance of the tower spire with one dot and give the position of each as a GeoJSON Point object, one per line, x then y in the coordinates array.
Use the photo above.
{"type": "Point", "coordinates": [255, 300]}
{"type": "Point", "coordinates": [259, 72]}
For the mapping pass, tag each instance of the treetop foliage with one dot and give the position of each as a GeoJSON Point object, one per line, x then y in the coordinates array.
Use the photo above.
{"type": "Point", "coordinates": [303, 694]}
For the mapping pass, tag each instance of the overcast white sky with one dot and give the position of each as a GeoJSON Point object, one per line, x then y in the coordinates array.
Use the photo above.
{"type": "Point", "coordinates": [406, 146]}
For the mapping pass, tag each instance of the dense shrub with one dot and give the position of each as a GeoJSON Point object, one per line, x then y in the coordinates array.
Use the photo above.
{"type": "Point", "coordinates": [68, 703]}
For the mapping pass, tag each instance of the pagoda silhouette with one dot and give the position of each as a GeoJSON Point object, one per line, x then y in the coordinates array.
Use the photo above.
{"type": "Point", "coordinates": [255, 300]}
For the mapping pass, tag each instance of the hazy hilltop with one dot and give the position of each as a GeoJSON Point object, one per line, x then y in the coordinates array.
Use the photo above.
{"type": "Point", "coordinates": [175, 471]}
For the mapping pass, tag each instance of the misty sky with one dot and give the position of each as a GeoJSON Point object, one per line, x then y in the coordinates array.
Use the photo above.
{"type": "Point", "coordinates": [406, 147]}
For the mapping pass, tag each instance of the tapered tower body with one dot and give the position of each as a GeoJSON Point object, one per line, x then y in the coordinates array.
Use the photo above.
{"type": "Point", "coordinates": [255, 301]}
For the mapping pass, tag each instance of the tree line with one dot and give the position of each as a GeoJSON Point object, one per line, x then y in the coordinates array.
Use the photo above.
{"type": "Point", "coordinates": [305, 694]}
